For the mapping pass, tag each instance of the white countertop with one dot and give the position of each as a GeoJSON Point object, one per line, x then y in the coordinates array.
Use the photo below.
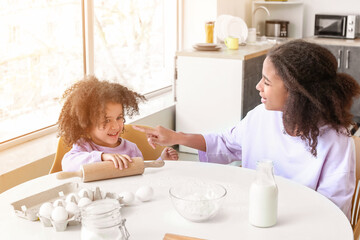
{"type": "Point", "coordinates": [303, 213]}
{"type": "Point", "coordinates": [259, 48]}
{"type": "Point", "coordinates": [334, 41]}
{"type": "Point", "coordinates": [243, 53]}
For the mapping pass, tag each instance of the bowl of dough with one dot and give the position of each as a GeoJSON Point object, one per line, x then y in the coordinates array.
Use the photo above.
{"type": "Point", "coordinates": [197, 201]}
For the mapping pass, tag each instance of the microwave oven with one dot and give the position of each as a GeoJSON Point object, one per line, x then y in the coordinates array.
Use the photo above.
{"type": "Point", "coordinates": [337, 26]}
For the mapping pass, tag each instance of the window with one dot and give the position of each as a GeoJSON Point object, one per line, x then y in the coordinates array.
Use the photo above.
{"type": "Point", "coordinates": [130, 44]}
{"type": "Point", "coordinates": [40, 57]}
{"type": "Point", "coordinates": [129, 41]}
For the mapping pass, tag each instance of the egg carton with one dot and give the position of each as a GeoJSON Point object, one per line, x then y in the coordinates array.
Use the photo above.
{"type": "Point", "coordinates": [28, 207]}
{"type": "Point", "coordinates": [60, 225]}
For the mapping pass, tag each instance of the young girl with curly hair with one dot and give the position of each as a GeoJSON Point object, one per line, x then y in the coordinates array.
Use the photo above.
{"type": "Point", "coordinates": [302, 124]}
{"type": "Point", "coordinates": [92, 121]}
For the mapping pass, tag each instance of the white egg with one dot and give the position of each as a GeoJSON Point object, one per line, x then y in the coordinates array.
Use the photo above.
{"type": "Point", "coordinates": [72, 197]}
{"type": "Point", "coordinates": [144, 193]}
{"type": "Point", "coordinates": [46, 209]}
{"type": "Point", "coordinates": [72, 208]}
{"type": "Point", "coordinates": [84, 201]}
{"type": "Point", "coordinates": [84, 192]}
{"type": "Point", "coordinates": [59, 214]}
{"type": "Point", "coordinates": [59, 202]}
{"type": "Point", "coordinates": [127, 197]}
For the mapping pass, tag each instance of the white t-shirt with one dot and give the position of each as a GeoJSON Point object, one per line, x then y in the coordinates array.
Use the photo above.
{"type": "Point", "coordinates": [260, 135]}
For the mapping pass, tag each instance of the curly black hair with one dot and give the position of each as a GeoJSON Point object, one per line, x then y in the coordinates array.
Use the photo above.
{"type": "Point", "coordinates": [317, 94]}
{"type": "Point", "coordinates": [85, 103]}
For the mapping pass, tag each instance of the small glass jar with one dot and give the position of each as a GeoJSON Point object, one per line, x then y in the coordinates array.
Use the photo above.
{"type": "Point", "coordinates": [209, 32]}
{"type": "Point", "coordinates": [101, 220]}
{"type": "Point", "coordinates": [251, 35]}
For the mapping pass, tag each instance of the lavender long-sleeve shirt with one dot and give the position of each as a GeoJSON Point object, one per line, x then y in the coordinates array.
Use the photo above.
{"type": "Point", "coordinates": [84, 152]}
{"type": "Point", "coordinates": [261, 135]}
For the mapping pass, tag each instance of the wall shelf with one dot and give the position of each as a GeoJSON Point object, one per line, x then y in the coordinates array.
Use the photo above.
{"type": "Point", "coordinates": [292, 11]}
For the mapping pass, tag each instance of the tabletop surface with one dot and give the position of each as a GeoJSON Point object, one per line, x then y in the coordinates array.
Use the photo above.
{"type": "Point", "coordinates": [302, 212]}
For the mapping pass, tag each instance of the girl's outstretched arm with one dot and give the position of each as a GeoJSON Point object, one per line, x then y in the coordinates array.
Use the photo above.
{"type": "Point", "coordinates": [167, 137]}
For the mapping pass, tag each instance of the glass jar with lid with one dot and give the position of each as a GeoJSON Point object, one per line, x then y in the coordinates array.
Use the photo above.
{"type": "Point", "coordinates": [102, 220]}
{"type": "Point", "coordinates": [209, 31]}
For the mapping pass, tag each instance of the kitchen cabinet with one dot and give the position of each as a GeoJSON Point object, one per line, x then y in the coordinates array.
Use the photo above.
{"type": "Point", "coordinates": [252, 75]}
{"type": "Point", "coordinates": [208, 95]}
{"type": "Point", "coordinates": [348, 59]}
{"type": "Point", "coordinates": [214, 92]}
{"type": "Point", "coordinates": [292, 11]}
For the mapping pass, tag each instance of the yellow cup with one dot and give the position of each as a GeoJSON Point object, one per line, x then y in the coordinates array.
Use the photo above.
{"type": "Point", "coordinates": [232, 43]}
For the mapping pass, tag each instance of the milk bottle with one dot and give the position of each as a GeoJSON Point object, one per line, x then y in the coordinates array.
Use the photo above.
{"type": "Point", "coordinates": [263, 197]}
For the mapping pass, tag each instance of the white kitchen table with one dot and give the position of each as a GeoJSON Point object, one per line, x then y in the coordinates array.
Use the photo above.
{"type": "Point", "coordinates": [303, 213]}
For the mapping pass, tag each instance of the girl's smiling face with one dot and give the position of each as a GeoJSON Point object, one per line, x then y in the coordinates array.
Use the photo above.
{"type": "Point", "coordinates": [271, 88]}
{"type": "Point", "coordinates": [108, 131]}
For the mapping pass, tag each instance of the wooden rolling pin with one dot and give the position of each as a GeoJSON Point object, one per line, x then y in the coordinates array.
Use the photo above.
{"type": "Point", "coordinates": [105, 170]}
{"type": "Point", "coordinates": [170, 236]}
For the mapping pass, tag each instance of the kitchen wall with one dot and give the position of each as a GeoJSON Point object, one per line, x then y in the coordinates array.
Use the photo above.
{"type": "Point", "coordinates": [194, 15]}
{"type": "Point", "coordinates": [196, 12]}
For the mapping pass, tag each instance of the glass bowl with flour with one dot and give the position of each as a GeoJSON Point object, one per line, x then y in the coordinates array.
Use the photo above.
{"type": "Point", "coordinates": [197, 201]}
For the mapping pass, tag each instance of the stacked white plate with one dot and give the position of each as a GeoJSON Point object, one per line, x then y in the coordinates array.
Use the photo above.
{"type": "Point", "coordinates": [207, 47]}
{"type": "Point", "coordinates": [230, 26]}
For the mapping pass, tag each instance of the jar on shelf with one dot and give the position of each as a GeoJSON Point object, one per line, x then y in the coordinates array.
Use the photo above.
{"type": "Point", "coordinates": [263, 196]}
{"type": "Point", "coordinates": [101, 220]}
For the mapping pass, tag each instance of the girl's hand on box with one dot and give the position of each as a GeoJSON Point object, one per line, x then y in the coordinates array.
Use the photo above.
{"type": "Point", "coordinates": [120, 160]}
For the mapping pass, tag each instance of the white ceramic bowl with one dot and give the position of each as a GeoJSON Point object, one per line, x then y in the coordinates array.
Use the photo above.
{"type": "Point", "coordinates": [197, 201]}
